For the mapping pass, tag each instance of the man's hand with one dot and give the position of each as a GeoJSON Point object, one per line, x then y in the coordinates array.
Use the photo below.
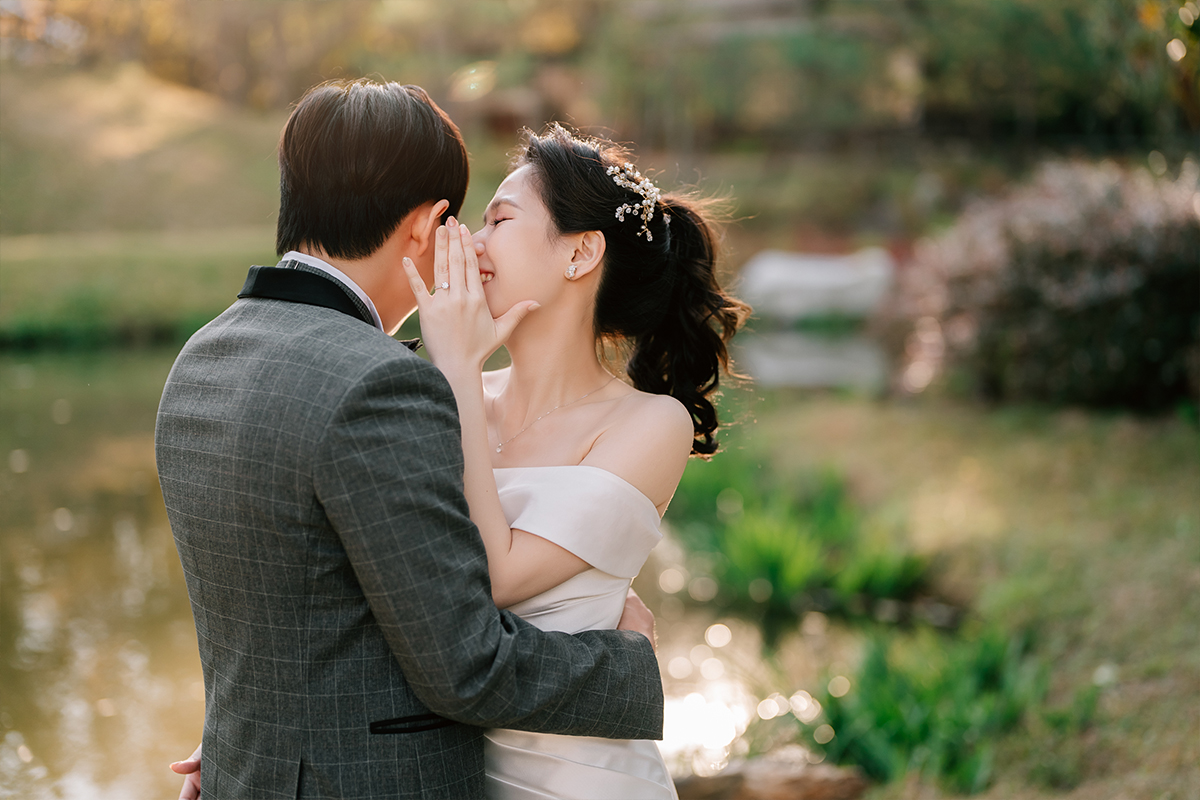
{"type": "Point", "coordinates": [636, 617]}
{"type": "Point", "coordinates": [191, 768]}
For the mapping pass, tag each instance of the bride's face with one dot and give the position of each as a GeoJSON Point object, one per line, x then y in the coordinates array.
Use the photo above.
{"type": "Point", "coordinates": [521, 257]}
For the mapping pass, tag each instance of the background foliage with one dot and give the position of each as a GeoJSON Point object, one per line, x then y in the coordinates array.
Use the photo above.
{"type": "Point", "coordinates": [1054, 550]}
{"type": "Point", "coordinates": [1079, 287]}
{"type": "Point", "coordinates": [671, 73]}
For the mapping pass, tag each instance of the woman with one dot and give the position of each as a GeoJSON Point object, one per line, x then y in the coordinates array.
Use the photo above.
{"type": "Point", "coordinates": [569, 469]}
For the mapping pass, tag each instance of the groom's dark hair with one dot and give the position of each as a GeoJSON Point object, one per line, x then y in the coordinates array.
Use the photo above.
{"type": "Point", "coordinates": [356, 157]}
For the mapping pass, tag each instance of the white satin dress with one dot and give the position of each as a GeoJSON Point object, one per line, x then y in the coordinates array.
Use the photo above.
{"type": "Point", "coordinates": [611, 525]}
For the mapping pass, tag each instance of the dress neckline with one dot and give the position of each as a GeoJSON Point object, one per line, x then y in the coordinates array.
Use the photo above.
{"type": "Point", "coordinates": [608, 472]}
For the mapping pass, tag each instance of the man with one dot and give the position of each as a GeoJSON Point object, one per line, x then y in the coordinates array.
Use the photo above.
{"type": "Point", "coordinates": [312, 472]}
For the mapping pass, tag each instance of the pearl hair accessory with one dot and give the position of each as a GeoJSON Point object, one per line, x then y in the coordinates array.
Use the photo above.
{"type": "Point", "coordinates": [629, 178]}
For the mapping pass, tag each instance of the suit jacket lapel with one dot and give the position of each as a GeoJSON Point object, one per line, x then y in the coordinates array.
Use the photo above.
{"type": "Point", "coordinates": [296, 286]}
{"type": "Point", "coordinates": [310, 288]}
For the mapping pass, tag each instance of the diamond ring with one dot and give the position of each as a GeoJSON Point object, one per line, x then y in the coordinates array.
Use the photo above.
{"type": "Point", "coordinates": [443, 285]}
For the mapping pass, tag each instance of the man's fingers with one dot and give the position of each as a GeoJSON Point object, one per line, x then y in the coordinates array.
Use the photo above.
{"type": "Point", "coordinates": [636, 617]}
{"type": "Point", "coordinates": [508, 322]}
{"type": "Point", "coordinates": [419, 289]}
{"type": "Point", "coordinates": [441, 263]}
{"type": "Point", "coordinates": [455, 246]}
{"type": "Point", "coordinates": [189, 764]}
{"type": "Point", "coordinates": [190, 767]}
{"type": "Point", "coordinates": [191, 787]}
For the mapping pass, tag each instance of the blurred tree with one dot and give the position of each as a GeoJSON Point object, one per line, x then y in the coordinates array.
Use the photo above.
{"type": "Point", "coordinates": [1091, 68]}
{"type": "Point", "coordinates": [689, 74]}
{"type": "Point", "coordinates": [262, 54]}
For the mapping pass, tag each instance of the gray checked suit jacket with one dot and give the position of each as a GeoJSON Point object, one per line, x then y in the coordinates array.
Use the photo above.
{"type": "Point", "coordinates": [312, 473]}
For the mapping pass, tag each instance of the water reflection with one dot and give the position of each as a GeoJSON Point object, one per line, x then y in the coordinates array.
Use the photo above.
{"type": "Point", "coordinates": [701, 727]}
{"type": "Point", "coordinates": [97, 652]}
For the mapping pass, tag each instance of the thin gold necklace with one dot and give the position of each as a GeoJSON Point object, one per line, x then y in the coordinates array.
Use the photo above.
{"type": "Point", "coordinates": [500, 446]}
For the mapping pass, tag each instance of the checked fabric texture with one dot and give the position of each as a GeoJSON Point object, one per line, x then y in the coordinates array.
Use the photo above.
{"type": "Point", "coordinates": [312, 474]}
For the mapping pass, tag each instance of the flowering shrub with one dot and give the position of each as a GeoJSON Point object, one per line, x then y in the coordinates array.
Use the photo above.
{"type": "Point", "coordinates": [1082, 287]}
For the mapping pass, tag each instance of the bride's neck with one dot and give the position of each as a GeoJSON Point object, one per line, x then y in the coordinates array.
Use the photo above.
{"type": "Point", "coordinates": [553, 364]}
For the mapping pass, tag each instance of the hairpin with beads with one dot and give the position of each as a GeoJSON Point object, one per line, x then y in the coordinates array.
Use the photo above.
{"type": "Point", "coordinates": [629, 178]}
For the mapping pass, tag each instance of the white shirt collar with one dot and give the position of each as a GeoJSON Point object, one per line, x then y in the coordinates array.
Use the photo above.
{"type": "Point", "coordinates": [325, 266]}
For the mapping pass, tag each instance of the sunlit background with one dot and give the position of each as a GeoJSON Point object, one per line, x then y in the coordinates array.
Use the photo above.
{"type": "Point", "coordinates": [953, 543]}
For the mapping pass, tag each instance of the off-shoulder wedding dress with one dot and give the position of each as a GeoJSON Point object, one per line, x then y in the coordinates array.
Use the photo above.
{"type": "Point", "coordinates": [612, 526]}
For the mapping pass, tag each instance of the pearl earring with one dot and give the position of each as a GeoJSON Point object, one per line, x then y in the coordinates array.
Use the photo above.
{"type": "Point", "coordinates": [571, 272]}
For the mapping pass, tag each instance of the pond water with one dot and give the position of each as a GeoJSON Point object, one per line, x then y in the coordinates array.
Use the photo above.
{"type": "Point", "coordinates": [100, 684]}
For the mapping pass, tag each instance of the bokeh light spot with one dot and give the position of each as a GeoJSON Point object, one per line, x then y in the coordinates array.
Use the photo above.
{"type": "Point", "coordinates": [1157, 162]}
{"type": "Point", "coordinates": [679, 667]}
{"type": "Point", "coordinates": [760, 590]}
{"type": "Point", "coordinates": [702, 589]}
{"type": "Point", "coordinates": [712, 669]}
{"type": "Point", "coordinates": [767, 709]}
{"type": "Point", "coordinates": [718, 635]}
{"type": "Point", "coordinates": [473, 81]}
{"type": "Point", "coordinates": [672, 580]}
{"type": "Point", "coordinates": [60, 411]}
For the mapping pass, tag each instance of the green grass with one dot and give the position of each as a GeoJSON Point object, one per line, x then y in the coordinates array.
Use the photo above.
{"type": "Point", "coordinates": [781, 544]}
{"type": "Point", "coordinates": [937, 711]}
{"type": "Point", "coordinates": [1081, 529]}
{"type": "Point", "coordinates": [926, 707]}
{"type": "Point", "coordinates": [91, 289]}
{"type": "Point", "coordinates": [120, 150]}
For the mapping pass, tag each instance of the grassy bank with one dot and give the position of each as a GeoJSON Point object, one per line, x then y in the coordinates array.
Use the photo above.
{"type": "Point", "coordinates": [1083, 529]}
{"type": "Point", "coordinates": [131, 207]}
{"type": "Point", "coordinates": [119, 288]}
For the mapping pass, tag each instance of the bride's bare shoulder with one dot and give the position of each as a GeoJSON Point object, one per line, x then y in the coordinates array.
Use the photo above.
{"type": "Point", "coordinates": [661, 417]}
{"type": "Point", "coordinates": [647, 442]}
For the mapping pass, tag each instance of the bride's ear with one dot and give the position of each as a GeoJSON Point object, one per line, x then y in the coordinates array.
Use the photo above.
{"type": "Point", "coordinates": [588, 252]}
{"type": "Point", "coordinates": [425, 221]}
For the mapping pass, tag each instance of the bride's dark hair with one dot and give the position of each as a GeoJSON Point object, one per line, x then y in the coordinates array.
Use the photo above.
{"type": "Point", "coordinates": [658, 289]}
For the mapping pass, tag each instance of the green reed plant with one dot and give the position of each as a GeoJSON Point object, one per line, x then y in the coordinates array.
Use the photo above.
{"type": "Point", "coordinates": [881, 569]}
{"type": "Point", "coordinates": [937, 710]}
{"type": "Point", "coordinates": [768, 564]}
{"type": "Point", "coordinates": [780, 546]}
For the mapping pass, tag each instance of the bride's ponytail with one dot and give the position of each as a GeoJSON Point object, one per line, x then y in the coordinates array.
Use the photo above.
{"type": "Point", "coordinates": [658, 293]}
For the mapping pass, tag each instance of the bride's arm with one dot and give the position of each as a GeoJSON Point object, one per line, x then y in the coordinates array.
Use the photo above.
{"type": "Point", "coordinates": [460, 333]}
{"type": "Point", "coordinates": [520, 564]}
